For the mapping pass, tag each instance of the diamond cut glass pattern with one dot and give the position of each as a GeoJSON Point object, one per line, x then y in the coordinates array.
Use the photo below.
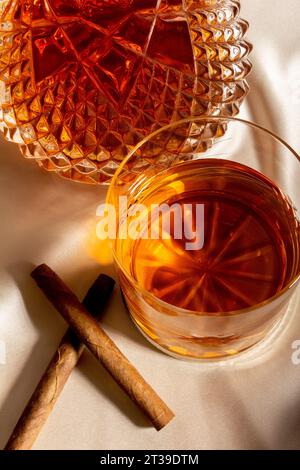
{"type": "Point", "coordinates": [83, 81]}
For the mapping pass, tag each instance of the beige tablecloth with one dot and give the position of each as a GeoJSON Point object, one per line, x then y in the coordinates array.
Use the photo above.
{"type": "Point", "coordinates": [254, 403]}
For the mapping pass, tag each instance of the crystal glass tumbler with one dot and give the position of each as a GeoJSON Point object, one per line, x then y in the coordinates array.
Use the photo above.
{"type": "Point", "coordinates": [83, 81]}
{"type": "Point", "coordinates": [206, 238]}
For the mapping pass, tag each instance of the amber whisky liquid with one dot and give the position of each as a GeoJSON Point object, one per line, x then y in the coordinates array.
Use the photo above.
{"type": "Point", "coordinates": [251, 239]}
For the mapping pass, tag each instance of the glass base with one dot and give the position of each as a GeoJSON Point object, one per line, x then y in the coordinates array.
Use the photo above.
{"type": "Point", "coordinates": [254, 355]}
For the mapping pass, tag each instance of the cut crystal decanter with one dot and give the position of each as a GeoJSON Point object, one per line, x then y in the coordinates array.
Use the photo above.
{"type": "Point", "coordinates": [83, 81]}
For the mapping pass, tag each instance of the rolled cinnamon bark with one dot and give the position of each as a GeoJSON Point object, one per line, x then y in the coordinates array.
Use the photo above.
{"type": "Point", "coordinates": [103, 348]}
{"type": "Point", "coordinates": [57, 373]}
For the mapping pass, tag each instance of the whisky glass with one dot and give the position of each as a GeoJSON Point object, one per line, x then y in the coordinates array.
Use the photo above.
{"type": "Point", "coordinates": [227, 292]}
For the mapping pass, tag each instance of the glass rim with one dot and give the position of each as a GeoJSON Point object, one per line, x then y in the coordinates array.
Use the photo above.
{"type": "Point", "coordinates": [130, 278]}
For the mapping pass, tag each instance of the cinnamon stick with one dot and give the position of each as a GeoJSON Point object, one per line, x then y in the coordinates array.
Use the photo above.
{"type": "Point", "coordinates": [57, 373]}
{"type": "Point", "coordinates": [102, 347]}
